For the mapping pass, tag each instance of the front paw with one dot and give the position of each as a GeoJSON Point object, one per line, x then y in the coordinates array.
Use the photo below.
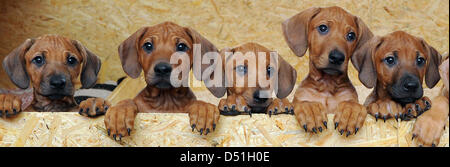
{"type": "Point", "coordinates": [203, 117]}
{"type": "Point", "coordinates": [234, 105]}
{"type": "Point", "coordinates": [94, 107]}
{"type": "Point", "coordinates": [413, 110]}
{"type": "Point", "coordinates": [10, 105]}
{"type": "Point", "coordinates": [385, 109]}
{"type": "Point", "coordinates": [279, 106]}
{"type": "Point", "coordinates": [311, 116]}
{"type": "Point", "coordinates": [349, 117]}
{"type": "Point", "coordinates": [119, 120]}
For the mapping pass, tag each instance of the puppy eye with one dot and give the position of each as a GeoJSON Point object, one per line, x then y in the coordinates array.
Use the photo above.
{"type": "Point", "coordinates": [323, 29]}
{"type": "Point", "coordinates": [351, 36]}
{"type": "Point", "coordinates": [38, 60]}
{"type": "Point", "coordinates": [181, 47]}
{"type": "Point", "coordinates": [420, 61]}
{"type": "Point", "coordinates": [241, 69]}
{"type": "Point", "coordinates": [72, 61]}
{"type": "Point", "coordinates": [269, 71]}
{"type": "Point", "coordinates": [148, 47]}
{"type": "Point", "coordinates": [390, 61]}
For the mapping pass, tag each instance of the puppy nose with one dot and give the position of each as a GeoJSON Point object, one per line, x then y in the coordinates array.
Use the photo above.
{"type": "Point", "coordinates": [257, 98]}
{"type": "Point", "coordinates": [57, 81]}
{"type": "Point", "coordinates": [336, 57]}
{"type": "Point", "coordinates": [163, 69]}
{"type": "Point", "coordinates": [411, 86]}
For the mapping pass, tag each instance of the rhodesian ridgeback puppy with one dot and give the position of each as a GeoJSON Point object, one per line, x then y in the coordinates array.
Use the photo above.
{"type": "Point", "coordinates": [331, 35]}
{"type": "Point", "coordinates": [245, 63]}
{"type": "Point", "coordinates": [150, 49]}
{"type": "Point", "coordinates": [396, 64]}
{"type": "Point", "coordinates": [52, 64]}
{"type": "Point", "coordinates": [430, 126]}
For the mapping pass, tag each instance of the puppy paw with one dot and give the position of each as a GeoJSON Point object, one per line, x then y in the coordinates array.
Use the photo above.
{"type": "Point", "coordinates": [93, 107]}
{"type": "Point", "coordinates": [119, 120]}
{"type": "Point", "coordinates": [10, 105]}
{"type": "Point", "coordinates": [430, 126]}
{"type": "Point", "coordinates": [279, 106]}
{"type": "Point", "coordinates": [311, 116]}
{"type": "Point", "coordinates": [234, 105]}
{"type": "Point", "coordinates": [385, 109]}
{"type": "Point", "coordinates": [203, 117]}
{"type": "Point", "coordinates": [349, 118]}
{"type": "Point", "coordinates": [413, 110]}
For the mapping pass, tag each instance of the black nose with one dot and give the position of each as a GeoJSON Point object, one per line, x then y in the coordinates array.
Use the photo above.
{"type": "Point", "coordinates": [336, 57]}
{"type": "Point", "coordinates": [257, 98]}
{"type": "Point", "coordinates": [411, 86]}
{"type": "Point", "coordinates": [163, 69]}
{"type": "Point", "coordinates": [58, 82]}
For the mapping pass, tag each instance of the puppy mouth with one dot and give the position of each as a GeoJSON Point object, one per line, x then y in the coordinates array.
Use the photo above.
{"type": "Point", "coordinates": [56, 96]}
{"type": "Point", "coordinates": [331, 71]}
{"type": "Point", "coordinates": [406, 100]}
{"type": "Point", "coordinates": [163, 85]}
{"type": "Point", "coordinates": [258, 108]}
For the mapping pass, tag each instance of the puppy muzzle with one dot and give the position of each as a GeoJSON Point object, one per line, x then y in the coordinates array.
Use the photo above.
{"type": "Point", "coordinates": [407, 89]}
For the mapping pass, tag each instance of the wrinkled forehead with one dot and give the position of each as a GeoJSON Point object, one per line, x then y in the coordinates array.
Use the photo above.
{"type": "Point", "coordinates": [335, 16]}
{"type": "Point", "coordinates": [52, 45]}
{"type": "Point", "coordinates": [166, 32]}
{"type": "Point", "coordinates": [247, 56]}
{"type": "Point", "coordinates": [405, 45]}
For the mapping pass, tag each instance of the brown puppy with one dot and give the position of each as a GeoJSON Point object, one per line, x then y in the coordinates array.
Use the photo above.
{"type": "Point", "coordinates": [331, 35]}
{"type": "Point", "coordinates": [430, 126]}
{"type": "Point", "coordinates": [395, 64]}
{"type": "Point", "coordinates": [243, 63]}
{"type": "Point", "coordinates": [150, 49]}
{"type": "Point", "coordinates": [52, 64]}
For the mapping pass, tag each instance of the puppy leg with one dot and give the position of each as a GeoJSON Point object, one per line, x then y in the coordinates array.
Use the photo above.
{"type": "Point", "coordinates": [311, 116]}
{"type": "Point", "coordinates": [233, 105]}
{"type": "Point", "coordinates": [119, 120]}
{"type": "Point", "coordinates": [10, 105]}
{"type": "Point", "coordinates": [94, 107]}
{"type": "Point", "coordinates": [429, 127]}
{"type": "Point", "coordinates": [203, 117]}
{"type": "Point", "coordinates": [385, 109]}
{"type": "Point", "coordinates": [349, 117]}
{"type": "Point", "coordinates": [279, 106]}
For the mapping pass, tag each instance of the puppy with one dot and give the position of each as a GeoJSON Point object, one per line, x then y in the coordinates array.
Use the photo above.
{"type": "Point", "coordinates": [150, 49]}
{"type": "Point", "coordinates": [396, 64]}
{"type": "Point", "coordinates": [52, 64]}
{"type": "Point", "coordinates": [244, 64]}
{"type": "Point", "coordinates": [331, 35]}
{"type": "Point", "coordinates": [430, 126]}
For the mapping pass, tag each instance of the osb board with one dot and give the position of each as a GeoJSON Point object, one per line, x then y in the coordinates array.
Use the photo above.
{"type": "Point", "coordinates": [102, 24]}
{"type": "Point", "coordinates": [155, 129]}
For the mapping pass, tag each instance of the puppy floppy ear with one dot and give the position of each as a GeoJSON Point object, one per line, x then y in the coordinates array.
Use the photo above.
{"type": "Point", "coordinates": [128, 53]}
{"type": "Point", "coordinates": [218, 91]}
{"type": "Point", "coordinates": [434, 60]}
{"type": "Point", "coordinates": [362, 61]}
{"type": "Point", "coordinates": [206, 47]}
{"type": "Point", "coordinates": [91, 65]}
{"type": "Point", "coordinates": [295, 30]}
{"type": "Point", "coordinates": [287, 76]}
{"type": "Point", "coordinates": [364, 33]}
{"type": "Point", "coordinates": [14, 65]}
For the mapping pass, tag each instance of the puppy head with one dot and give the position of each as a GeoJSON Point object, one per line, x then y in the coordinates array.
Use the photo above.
{"type": "Point", "coordinates": [52, 63]}
{"type": "Point", "coordinates": [150, 49]}
{"type": "Point", "coordinates": [398, 62]}
{"type": "Point", "coordinates": [251, 71]}
{"type": "Point", "coordinates": [331, 34]}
